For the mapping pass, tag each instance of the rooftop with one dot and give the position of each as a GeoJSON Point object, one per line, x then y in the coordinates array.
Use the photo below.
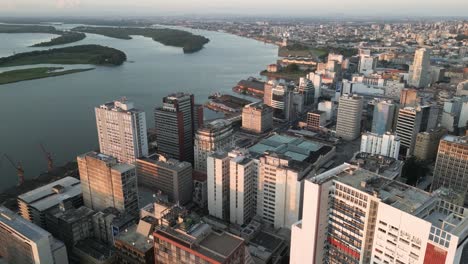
{"type": "Point", "coordinates": [22, 226]}
{"type": "Point", "coordinates": [71, 215]}
{"type": "Point", "coordinates": [94, 249]}
{"type": "Point", "coordinates": [165, 162]}
{"type": "Point", "coordinates": [384, 166]}
{"type": "Point", "coordinates": [455, 139]}
{"type": "Point", "coordinates": [138, 236]}
{"type": "Point", "coordinates": [111, 161]}
{"type": "Point", "coordinates": [52, 194]}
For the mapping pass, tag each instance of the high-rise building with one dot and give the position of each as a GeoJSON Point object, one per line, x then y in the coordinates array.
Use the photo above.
{"type": "Point", "coordinates": [316, 79]}
{"type": "Point", "coordinates": [218, 184]}
{"type": "Point", "coordinates": [107, 183]}
{"type": "Point", "coordinates": [122, 130]}
{"type": "Point", "coordinates": [426, 144]}
{"type": "Point", "coordinates": [257, 117]}
{"type": "Point", "coordinates": [383, 118]}
{"type": "Point", "coordinates": [243, 187]}
{"type": "Point", "coordinates": [348, 124]}
{"type": "Point", "coordinates": [280, 183]}
{"type": "Point", "coordinates": [170, 176]}
{"type": "Point", "coordinates": [175, 124]}
{"type": "Point", "coordinates": [411, 121]}
{"type": "Point", "coordinates": [216, 135]}
{"type": "Point", "coordinates": [307, 89]}
{"type": "Point", "coordinates": [451, 167]}
{"type": "Point", "coordinates": [420, 75]}
{"type": "Point", "coordinates": [367, 64]}
{"type": "Point", "coordinates": [65, 192]}
{"type": "Point", "coordinates": [409, 97]}
{"type": "Point", "coordinates": [386, 145]}
{"type": "Point", "coordinates": [351, 215]}
{"type": "Point", "coordinates": [22, 242]}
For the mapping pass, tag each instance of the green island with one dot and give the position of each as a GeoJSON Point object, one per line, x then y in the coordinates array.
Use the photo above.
{"type": "Point", "coordinates": [35, 73]}
{"type": "Point", "coordinates": [65, 37]}
{"type": "Point", "coordinates": [189, 42]}
{"type": "Point", "coordinates": [83, 54]}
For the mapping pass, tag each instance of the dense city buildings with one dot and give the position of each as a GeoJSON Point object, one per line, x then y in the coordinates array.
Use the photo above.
{"type": "Point", "coordinates": [175, 123]}
{"type": "Point", "coordinates": [451, 167]}
{"type": "Point", "coordinates": [169, 176]}
{"type": "Point", "coordinates": [122, 130]}
{"type": "Point", "coordinates": [348, 124]}
{"type": "Point", "coordinates": [65, 192]}
{"type": "Point", "coordinates": [387, 144]}
{"type": "Point", "coordinates": [107, 183]}
{"type": "Point", "coordinates": [352, 215]}
{"type": "Point", "coordinates": [257, 117]}
{"type": "Point", "coordinates": [24, 242]}
{"type": "Point", "coordinates": [213, 136]}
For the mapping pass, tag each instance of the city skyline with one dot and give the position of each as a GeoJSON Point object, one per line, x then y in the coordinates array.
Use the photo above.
{"type": "Point", "coordinates": [292, 8]}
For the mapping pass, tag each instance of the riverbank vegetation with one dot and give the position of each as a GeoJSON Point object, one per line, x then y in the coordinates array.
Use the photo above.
{"type": "Point", "coordinates": [65, 38]}
{"type": "Point", "coordinates": [299, 50]}
{"type": "Point", "coordinates": [84, 54]}
{"type": "Point", "coordinates": [35, 73]}
{"type": "Point", "coordinates": [189, 42]}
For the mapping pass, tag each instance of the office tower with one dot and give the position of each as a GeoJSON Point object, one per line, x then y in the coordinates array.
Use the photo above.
{"type": "Point", "coordinates": [369, 114]}
{"type": "Point", "coordinates": [122, 130]}
{"type": "Point", "coordinates": [420, 70]}
{"type": "Point", "coordinates": [216, 135]}
{"type": "Point", "coordinates": [316, 119]}
{"type": "Point", "coordinates": [70, 225]}
{"type": "Point", "coordinates": [22, 242]}
{"type": "Point", "coordinates": [198, 117]}
{"type": "Point", "coordinates": [383, 117]}
{"type": "Point", "coordinates": [409, 97]}
{"type": "Point", "coordinates": [348, 124]}
{"type": "Point", "coordinates": [268, 92]}
{"type": "Point", "coordinates": [107, 183]}
{"type": "Point", "coordinates": [426, 144]}
{"type": "Point", "coordinates": [327, 107]}
{"type": "Point", "coordinates": [280, 183]}
{"type": "Point", "coordinates": [190, 241]}
{"type": "Point", "coordinates": [218, 184]}
{"type": "Point", "coordinates": [34, 204]}
{"type": "Point", "coordinates": [451, 167]}
{"type": "Point", "coordinates": [170, 176]}
{"type": "Point", "coordinates": [200, 189]}
{"type": "Point", "coordinates": [317, 81]}
{"type": "Point", "coordinates": [257, 117]}
{"type": "Point", "coordinates": [387, 144]}
{"type": "Point", "coordinates": [175, 126]}
{"type": "Point", "coordinates": [243, 187]}
{"type": "Point", "coordinates": [452, 115]}
{"type": "Point", "coordinates": [411, 121]}
{"type": "Point", "coordinates": [136, 244]}
{"type": "Point", "coordinates": [307, 89]}
{"type": "Point", "coordinates": [367, 64]}
{"type": "Point", "coordinates": [351, 215]}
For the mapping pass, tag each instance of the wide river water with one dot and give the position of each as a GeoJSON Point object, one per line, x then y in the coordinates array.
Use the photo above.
{"type": "Point", "coordinates": [59, 111]}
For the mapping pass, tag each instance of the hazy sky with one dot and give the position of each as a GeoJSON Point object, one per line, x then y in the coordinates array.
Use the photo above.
{"type": "Point", "coordinates": [248, 7]}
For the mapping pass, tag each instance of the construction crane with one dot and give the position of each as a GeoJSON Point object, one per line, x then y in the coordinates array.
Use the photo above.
{"type": "Point", "coordinates": [19, 169]}
{"type": "Point", "coordinates": [48, 156]}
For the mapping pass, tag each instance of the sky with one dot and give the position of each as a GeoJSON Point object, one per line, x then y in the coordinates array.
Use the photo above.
{"type": "Point", "coordinates": [235, 7]}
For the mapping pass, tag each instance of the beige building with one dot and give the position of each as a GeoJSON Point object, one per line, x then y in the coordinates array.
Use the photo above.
{"type": "Point", "coordinates": [107, 183]}
{"type": "Point", "coordinates": [427, 143]}
{"type": "Point", "coordinates": [257, 117]}
{"type": "Point", "coordinates": [316, 119]}
{"type": "Point", "coordinates": [451, 168]}
{"type": "Point", "coordinates": [348, 124]}
{"type": "Point", "coordinates": [170, 176]}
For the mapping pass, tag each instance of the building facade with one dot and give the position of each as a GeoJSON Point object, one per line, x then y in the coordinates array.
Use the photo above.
{"type": "Point", "coordinates": [451, 168]}
{"type": "Point", "coordinates": [218, 184]}
{"type": "Point", "coordinates": [387, 145]}
{"type": "Point", "coordinates": [170, 176]}
{"type": "Point", "coordinates": [316, 120]}
{"type": "Point", "coordinates": [216, 135]}
{"type": "Point", "coordinates": [257, 117]}
{"type": "Point", "coordinates": [107, 183]}
{"type": "Point", "coordinates": [420, 70]}
{"type": "Point", "coordinates": [383, 118]}
{"type": "Point", "coordinates": [348, 124]}
{"type": "Point", "coordinates": [427, 142]}
{"type": "Point", "coordinates": [122, 130]}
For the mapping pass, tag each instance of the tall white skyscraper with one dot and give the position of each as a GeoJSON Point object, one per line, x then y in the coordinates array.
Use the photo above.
{"type": "Point", "coordinates": [348, 124]}
{"type": "Point", "coordinates": [420, 70]}
{"type": "Point", "coordinates": [386, 145]}
{"type": "Point", "coordinates": [218, 184]}
{"type": "Point", "coordinates": [367, 64]}
{"type": "Point", "coordinates": [122, 130]}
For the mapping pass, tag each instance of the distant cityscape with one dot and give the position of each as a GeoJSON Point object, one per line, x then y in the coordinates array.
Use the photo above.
{"type": "Point", "coordinates": [351, 147]}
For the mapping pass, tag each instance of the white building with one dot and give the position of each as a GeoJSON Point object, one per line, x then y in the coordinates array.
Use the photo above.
{"type": "Point", "coordinates": [25, 242]}
{"type": "Point", "coordinates": [367, 64]}
{"type": "Point", "coordinates": [216, 135]}
{"type": "Point", "coordinates": [419, 74]}
{"type": "Point", "coordinates": [328, 107]}
{"type": "Point", "coordinates": [218, 168]}
{"type": "Point", "coordinates": [351, 215]}
{"type": "Point", "coordinates": [243, 186]}
{"type": "Point", "coordinates": [386, 145]}
{"type": "Point", "coordinates": [316, 79]}
{"type": "Point", "coordinates": [348, 124]}
{"type": "Point", "coordinates": [122, 130]}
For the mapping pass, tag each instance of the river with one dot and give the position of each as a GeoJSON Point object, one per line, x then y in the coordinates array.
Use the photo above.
{"type": "Point", "coordinates": [58, 112]}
